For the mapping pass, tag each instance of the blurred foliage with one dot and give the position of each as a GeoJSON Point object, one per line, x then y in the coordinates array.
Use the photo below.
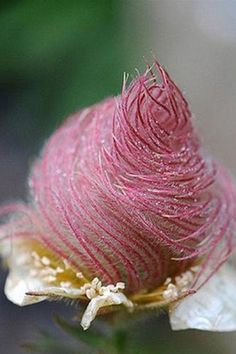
{"type": "Point", "coordinates": [136, 334]}
{"type": "Point", "coordinates": [56, 57]}
{"type": "Point", "coordinates": [100, 339]}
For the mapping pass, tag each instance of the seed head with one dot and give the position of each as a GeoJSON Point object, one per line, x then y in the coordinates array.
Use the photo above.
{"type": "Point", "coordinates": [124, 192]}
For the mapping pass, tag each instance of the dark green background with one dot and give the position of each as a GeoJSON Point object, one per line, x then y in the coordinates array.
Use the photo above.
{"type": "Point", "coordinates": [56, 57]}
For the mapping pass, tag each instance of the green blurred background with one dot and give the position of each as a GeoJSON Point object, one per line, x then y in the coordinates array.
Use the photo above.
{"type": "Point", "coordinates": [59, 56]}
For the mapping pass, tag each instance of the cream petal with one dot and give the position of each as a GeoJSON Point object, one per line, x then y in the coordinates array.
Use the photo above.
{"type": "Point", "coordinates": [17, 286]}
{"type": "Point", "coordinates": [108, 298]}
{"type": "Point", "coordinates": [212, 308]}
{"type": "Point", "coordinates": [20, 280]}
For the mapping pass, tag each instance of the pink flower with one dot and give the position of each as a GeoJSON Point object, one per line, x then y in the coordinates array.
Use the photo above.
{"type": "Point", "coordinates": [124, 194]}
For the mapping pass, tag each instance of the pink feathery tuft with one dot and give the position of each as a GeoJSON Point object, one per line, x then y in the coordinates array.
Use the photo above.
{"type": "Point", "coordinates": [124, 191]}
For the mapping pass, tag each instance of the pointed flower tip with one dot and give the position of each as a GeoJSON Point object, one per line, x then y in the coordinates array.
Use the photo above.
{"type": "Point", "coordinates": [123, 192]}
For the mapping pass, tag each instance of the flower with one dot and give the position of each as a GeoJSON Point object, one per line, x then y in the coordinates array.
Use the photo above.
{"type": "Point", "coordinates": [126, 208]}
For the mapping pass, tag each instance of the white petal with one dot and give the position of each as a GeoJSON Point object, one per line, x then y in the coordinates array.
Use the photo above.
{"type": "Point", "coordinates": [20, 281]}
{"type": "Point", "coordinates": [17, 286]}
{"type": "Point", "coordinates": [212, 308]}
{"type": "Point", "coordinates": [109, 298]}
